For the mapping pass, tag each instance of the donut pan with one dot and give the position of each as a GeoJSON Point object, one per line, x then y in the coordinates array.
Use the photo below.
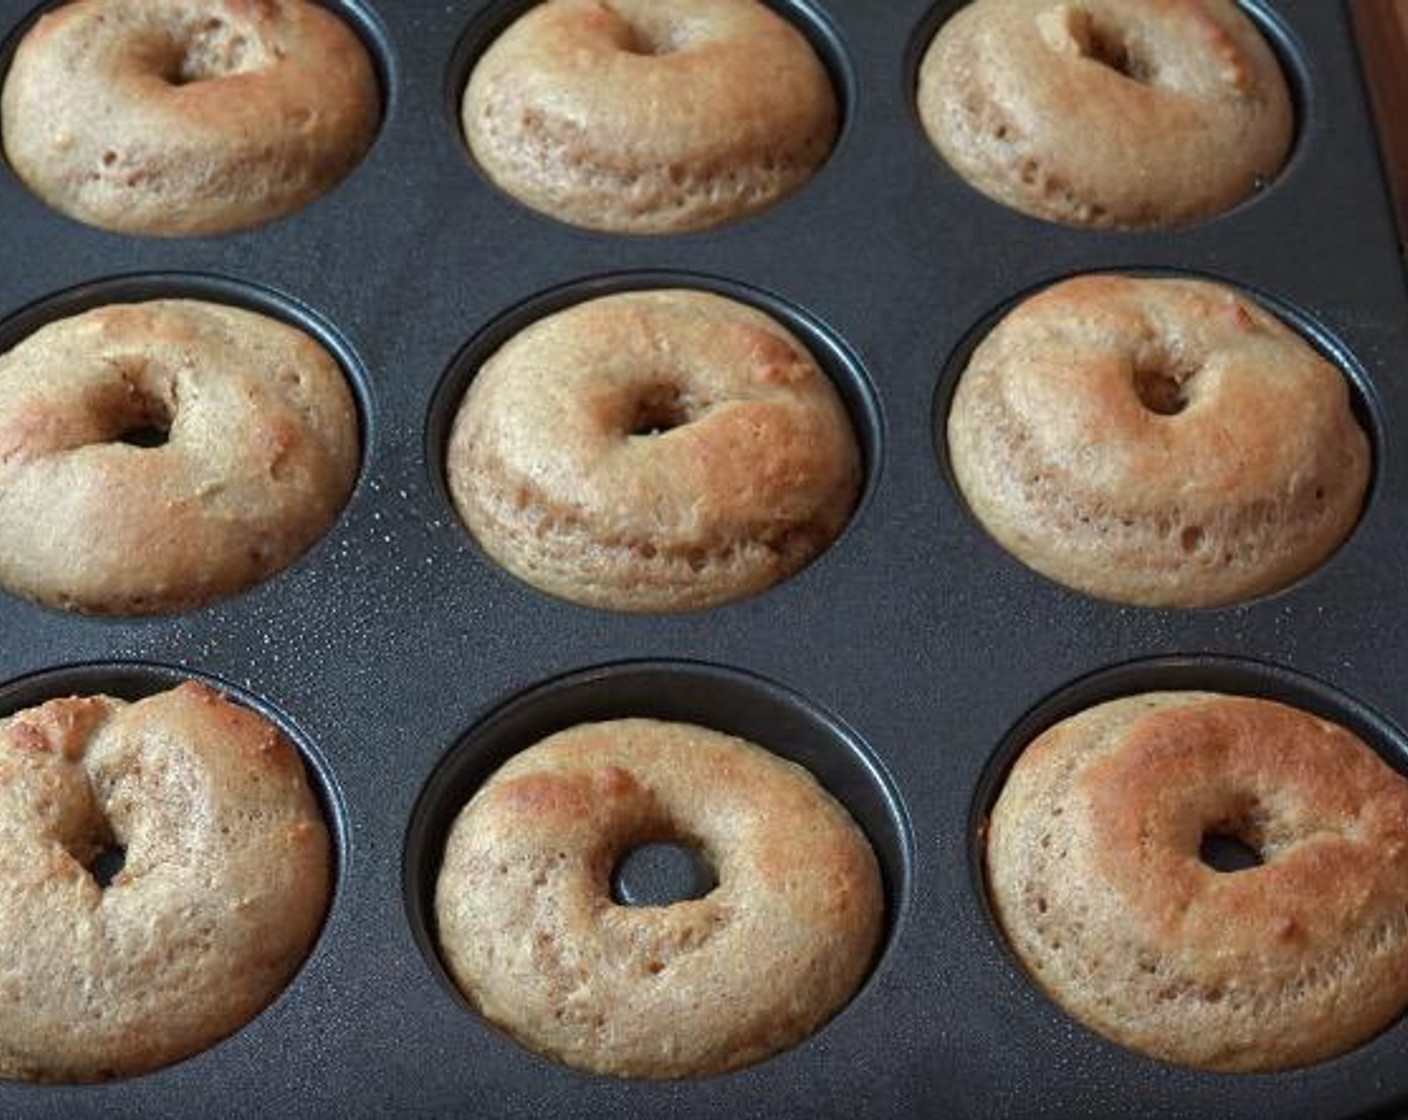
{"type": "Point", "coordinates": [906, 666]}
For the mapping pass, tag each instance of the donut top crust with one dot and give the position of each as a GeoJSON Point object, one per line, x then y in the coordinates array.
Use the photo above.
{"type": "Point", "coordinates": [557, 463]}
{"type": "Point", "coordinates": [224, 888]}
{"type": "Point", "coordinates": [1107, 113]}
{"type": "Point", "coordinates": [528, 927]}
{"type": "Point", "coordinates": [649, 116]}
{"type": "Point", "coordinates": [1093, 862]}
{"type": "Point", "coordinates": [187, 117]}
{"type": "Point", "coordinates": [1160, 442]}
{"type": "Point", "coordinates": [260, 457]}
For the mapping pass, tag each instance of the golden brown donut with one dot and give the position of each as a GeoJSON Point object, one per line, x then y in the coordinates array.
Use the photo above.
{"type": "Point", "coordinates": [530, 933]}
{"type": "Point", "coordinates": [260, 453]}
{"type": "Point", "coordinates": [653, 451]}
{"type": "Point", "coordinates": [225, 882]}
{"type": "Point", "coordinates": [1120, 114]}
{"type": "Point", "coordinates": [187, 117]}
{"type": "Point", "coordinates": [649, 116]}
{"type": "Point", "coordinates": [1094, 872]}
{"type": "Point", "coordinates": [1159, 442]}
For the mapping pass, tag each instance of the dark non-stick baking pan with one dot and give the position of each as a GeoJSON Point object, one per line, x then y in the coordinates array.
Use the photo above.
{"type": "Point", "coordinates": [906, 666]}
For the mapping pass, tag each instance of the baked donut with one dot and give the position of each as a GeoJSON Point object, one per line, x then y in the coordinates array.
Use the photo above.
{"type": "Point", "coordinates": [649, 116]}
{"type": "Point", "coordinates": [256, 449]}
{"type": "Point", "coordinates": [224, 886]}
{"type": "Point", "coordinates": [1158, 442]}
{"type": "Point", "coordinates": [528, 928]}
{"type": "Point", "coordinates": [1123, 114]}
{"type": "Point", "coordinates": [1095, 876]}
{"type": "Point", "coordinates": [187, 117]}
{"type": "Point", "coordinates": [653, 451]}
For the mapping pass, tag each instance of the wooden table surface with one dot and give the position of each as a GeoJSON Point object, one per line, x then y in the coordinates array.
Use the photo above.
{"type": "Point", "coordinates": [1382, 27]}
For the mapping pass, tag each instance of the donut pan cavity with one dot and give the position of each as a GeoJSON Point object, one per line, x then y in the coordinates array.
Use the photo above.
{"type": "Point", "coordinates": [811, 19]}
{"type": "Point", "coordinates": [1363, 394]}
{"type": "Point", "coordinates": [732, 702]}
{"type": "Point", "coordinates": [1281, 36]}
{"type": "Point", "coordinates": [836, 361]}
{"type": "Point", "coordinates": [903, 665]}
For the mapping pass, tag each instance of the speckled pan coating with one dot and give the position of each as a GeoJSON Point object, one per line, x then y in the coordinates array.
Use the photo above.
{"type": "Point", "coordinates": [396, 639]}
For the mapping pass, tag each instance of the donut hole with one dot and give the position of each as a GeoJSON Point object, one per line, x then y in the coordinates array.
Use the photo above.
{"type": "Point", "coordinates": [206, 52]}
{"type": "Point", "coordinates": [149, 426]}
{"type": "Point", "coordinates": [146, 436]}
{"type": "Point", "coordinates": [649, 32]}
{"type": "Point", "coordinates": [1074, 31]}
{"type": "Point", "coordinates": [659, 410]}
{"type": "Point", "coordinates": [108, 864]}
{"type": "Point", "coordinates": [1110, 49]}
{"type": "Point", "coordinates": [1227, 853]}
{"type": "Point", "coordinates": [1241, 839]}
{"type": "Point", "coordinates": [726, 700]}
{"type": "Point", "coordinates": [651, 40]}
{"type": "Point", "coordinates": [203, 63]}
{"type": "Point", "coordinates": [662, 873]}
{"type": "Point", "coordinates": [1162, 385]}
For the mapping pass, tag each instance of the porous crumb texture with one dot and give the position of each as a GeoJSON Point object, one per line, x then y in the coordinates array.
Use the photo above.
{"type": "Point", "coordinates": [187, 117]}
{"type": "Point", "coordinates": [1157, 441]}
{"type": "Point", "coordinates": [1116, 114]}
{"type": "Point", "coordinates": [225, 883]}
{"type": "Point", "coordinates": [1095, 875]}
{"type": "Point", "coordinates": [530, 932]}
{"type": "Point", "coordinates": [653, 451]}
{"type": "Point", "coordinates": [650, 116]}
{"type": "Point", "coordinates": [255, 451]}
